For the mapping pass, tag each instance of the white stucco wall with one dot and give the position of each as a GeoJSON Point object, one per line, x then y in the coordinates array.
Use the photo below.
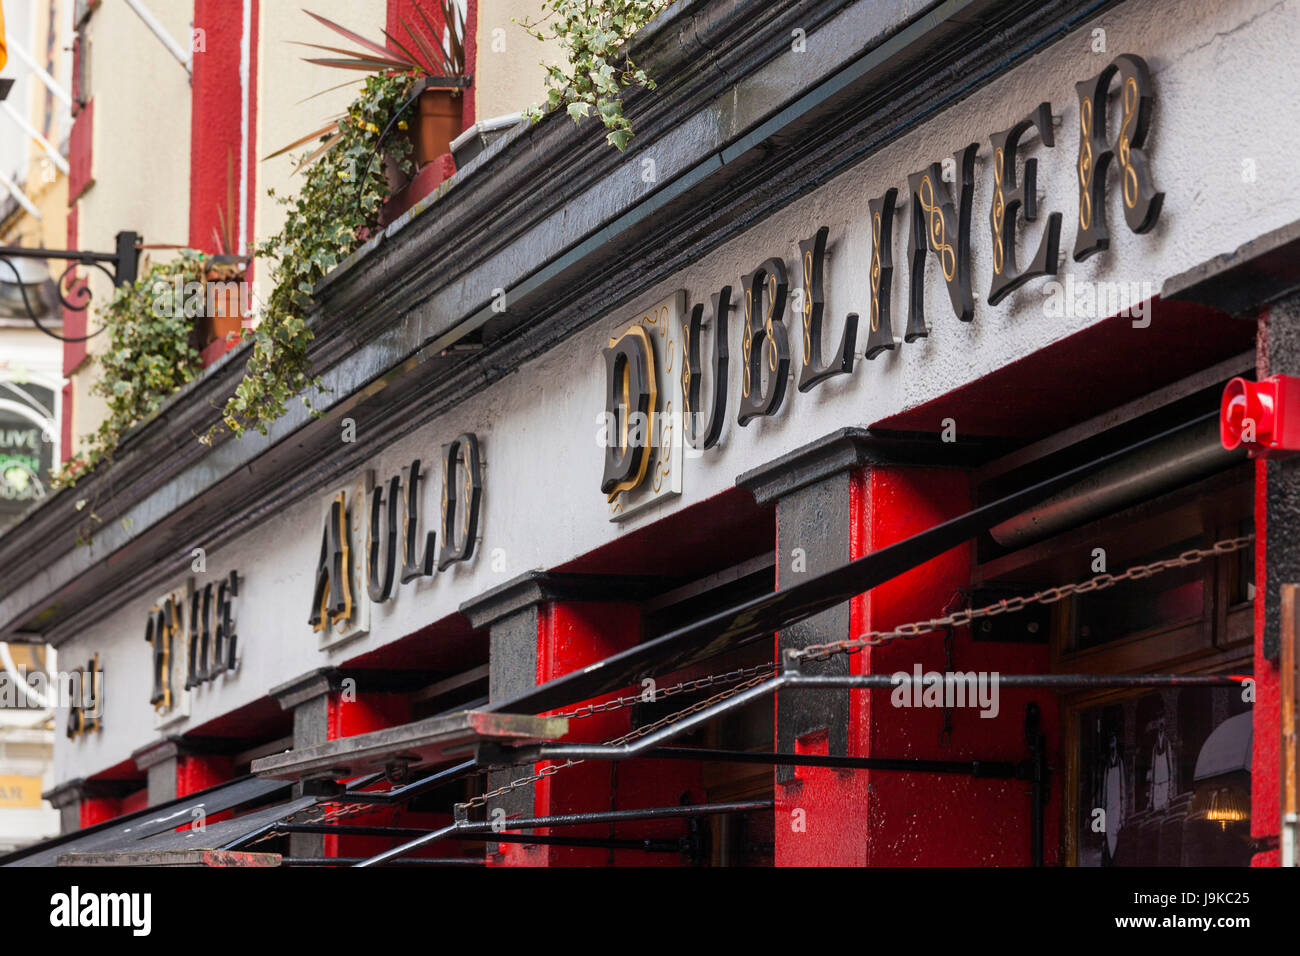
{"type": "Point", "coordinates": [141, 155]}
{"type": "Point", "coordinates": [542, 505]}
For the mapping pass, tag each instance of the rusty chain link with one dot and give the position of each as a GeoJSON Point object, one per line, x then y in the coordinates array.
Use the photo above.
{"type": "Point", "coordinates": [756, 675]}
{"type": "Point", "coordinates": [646, 697]}
{"type": "Point", "coordinates": [817, 652]}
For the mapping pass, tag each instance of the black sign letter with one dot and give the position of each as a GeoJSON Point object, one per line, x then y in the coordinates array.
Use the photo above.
{"type": "Point", "coordinates": [1141, 201]}
{"type": "Point", "coordinates": [812, 256]}
{"type": "Point", "coordinates": [1008, 199]}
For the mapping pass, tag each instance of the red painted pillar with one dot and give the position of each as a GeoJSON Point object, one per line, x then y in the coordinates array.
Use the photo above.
{"type": "Point", "coordinates": [570, 636]}
{"type": "Point", "coordinates": [220, 158]}
{"type": "Point", "coordinates": [216, 160]}
{"type": "Point", "coordinates": [837, 818]}
{"type": "Point", "coordinates": [96, 810]}
{"type": "Point", "coordinates": [351, 713]}
{"type": "Point", "coordinates": [1266, 757]}
{"type": "Point", "coordinates": [195, 772]}
{"type": "Point", "coordinates": [931, 819]}
{"type": "Point", "coordinates": [542, 626]}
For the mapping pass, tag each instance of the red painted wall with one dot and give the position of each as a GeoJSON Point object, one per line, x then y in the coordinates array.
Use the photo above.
{"type": "Point", "coordinates": [99, 809]}
{"type": "Point", "coordinates": [894, 819]}
{"type": "Point", "coordinates": [80, 153]}
{"type": "Point", "coordinates": [571, 636]}
{"type": "Point", "coordinates": [215, 118]}
{"type": "Point", "coordinates": [1266, 759]}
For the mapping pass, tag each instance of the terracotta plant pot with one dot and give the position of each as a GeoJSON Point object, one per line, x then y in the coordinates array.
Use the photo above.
{"type": "Point", "coordinates": [438, 115]}
{"type": "Point", "coordinates": [223, 312]}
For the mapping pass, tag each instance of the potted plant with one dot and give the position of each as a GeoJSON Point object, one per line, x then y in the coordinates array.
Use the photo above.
{"type": "Point", "coordinates": [432, 118]}
{"type": "Point", "coordinates": [223, 312]}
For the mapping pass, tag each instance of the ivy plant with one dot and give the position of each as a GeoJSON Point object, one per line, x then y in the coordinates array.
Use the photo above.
{"type": "Point", "coordinates": [597, 69]}
{"type": "Point", "coordinates": [148, 356]}
{"type": "Point", "coordinates": [342, 191]}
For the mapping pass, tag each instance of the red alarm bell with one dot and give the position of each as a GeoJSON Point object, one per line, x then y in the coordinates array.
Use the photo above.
{"type": "Point", "coordinates": [1264, 416]}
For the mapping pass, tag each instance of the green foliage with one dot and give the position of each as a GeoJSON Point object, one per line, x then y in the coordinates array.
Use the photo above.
{"type": "Point", "coordinates": [593, 35]}
{"type": "Point", "coordinates": [148, 356]}
{"type": "Point", "coordinates": [341, 194]}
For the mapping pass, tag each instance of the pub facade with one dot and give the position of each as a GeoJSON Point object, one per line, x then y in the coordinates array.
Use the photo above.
{"type": "Point", "coordinates": [893, 424]}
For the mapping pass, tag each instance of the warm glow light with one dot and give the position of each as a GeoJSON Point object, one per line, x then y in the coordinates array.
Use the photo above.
{"type": "Point", "coordinates": [1222, 806]}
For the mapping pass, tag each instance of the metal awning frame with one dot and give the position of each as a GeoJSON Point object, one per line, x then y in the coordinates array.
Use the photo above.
{"type": "Point", "coordinates": [1033, 770]}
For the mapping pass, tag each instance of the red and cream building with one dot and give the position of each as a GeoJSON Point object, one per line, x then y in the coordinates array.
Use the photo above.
{"type": "Point", "coordinates": [950, 299]}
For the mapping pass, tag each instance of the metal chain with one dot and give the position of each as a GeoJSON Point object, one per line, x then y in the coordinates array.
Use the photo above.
{"type": "Point", "coordinates": [757, 675]}
{"type": "Point", "coordinates": [326, 812]}
{"type": "Point", "coordinates": [684, 687]}
{"type": "Point", "coordinates": [817, 652]}
{"type": "Point", "coordinates": [339, 811]}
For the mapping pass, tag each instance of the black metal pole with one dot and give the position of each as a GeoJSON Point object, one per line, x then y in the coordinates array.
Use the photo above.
{"type": "Point", "coordinates": [1038, 790]}
{"type": "Point", "coordinates": [405, 792]}
{"type": "Point", "coordinates": [660, 845]}
{"type": "Point", "coordinates": [494, 828]}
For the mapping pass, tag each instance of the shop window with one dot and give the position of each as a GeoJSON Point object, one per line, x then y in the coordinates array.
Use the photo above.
{"type": "Point", "coordinates": [1163, 779]}
{"type": "Point", "coordinates": [1157, 777]}
{"type": "Point", "coordinates": [1167, 599]}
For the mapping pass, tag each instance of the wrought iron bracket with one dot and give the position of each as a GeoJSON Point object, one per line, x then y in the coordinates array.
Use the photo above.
{"type": "Point", "coordinates": [121, 265]}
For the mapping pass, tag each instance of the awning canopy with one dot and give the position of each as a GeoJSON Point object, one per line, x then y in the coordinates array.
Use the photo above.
{"type": "Point", "coordinates": [155, 828]}
{"type": "Point", "coordinates": [437, 739]}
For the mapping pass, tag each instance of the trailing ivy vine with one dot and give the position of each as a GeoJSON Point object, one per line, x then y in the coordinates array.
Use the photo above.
{"type": "Point", "coordinates": [148, 355]}
{"type": "Point", "coordinates": [341, 195]}
{"type": "Point", "coordinates": [597, 71]}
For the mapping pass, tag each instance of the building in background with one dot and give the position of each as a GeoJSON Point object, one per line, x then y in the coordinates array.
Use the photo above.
{"type": "Point", "coordinates": [35, 121]}
{"type": "Point", "coordinates": [34, 124]}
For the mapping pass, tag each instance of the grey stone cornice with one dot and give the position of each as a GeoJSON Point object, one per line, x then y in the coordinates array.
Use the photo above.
{"type": "Point", "coordinates": [536, 587]}
{"type": "Point", "coordinates": [158, 751]}
{"type": "Point", "coordinates": [843, 450]}
{"type": "Point", "coordinates": [308, 686]}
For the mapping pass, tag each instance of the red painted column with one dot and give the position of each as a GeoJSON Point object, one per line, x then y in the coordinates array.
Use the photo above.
{"type": "Point", "coordinates": [195, 772]}
{"type": "Point", "coordinates": [570, 636]}
{"type": "Point", "coordinates": [351, 713]}
{"type": "Point", "coordinates": [1266, 720]}
{"type": "Point", "coordinates": [96, 810]}
{"type": "Point", "coordinates": [215, 113]}
{"type": "Point", "coordinates": [828, 817]}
